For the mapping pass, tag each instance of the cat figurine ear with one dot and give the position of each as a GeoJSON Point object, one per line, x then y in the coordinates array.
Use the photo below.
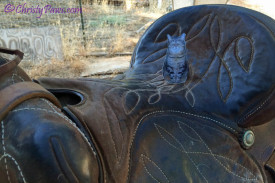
{"type": "Point", "coordinates": [169, 38]}
{"type": "Point", "coordinates": [182, 37]}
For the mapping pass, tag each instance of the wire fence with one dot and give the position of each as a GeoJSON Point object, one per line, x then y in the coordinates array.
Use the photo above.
{"type": "Point", "coordinates": [61, 28]}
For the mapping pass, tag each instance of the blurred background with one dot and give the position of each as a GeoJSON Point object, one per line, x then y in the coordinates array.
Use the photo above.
{"type": "Point", "coordinates": [95, 42]}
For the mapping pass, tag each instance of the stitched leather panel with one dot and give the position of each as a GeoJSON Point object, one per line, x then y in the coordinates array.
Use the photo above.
{"type": "Point", "coordinates": [229, 78]}
{"type": "Point", "coordinates": [172, 147]}
{"type": "Point", "coordinates": [230, 54]}
{"type": "Point", "coordinates": [40, 144]}
{"type": "Point", "coordinates": [17, 93]}
{"type": "Point", "coordinates": [112, 110]}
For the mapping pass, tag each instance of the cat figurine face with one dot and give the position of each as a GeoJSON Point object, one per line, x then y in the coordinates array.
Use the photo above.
{"type": "Point", "coordinates": [175, 68]}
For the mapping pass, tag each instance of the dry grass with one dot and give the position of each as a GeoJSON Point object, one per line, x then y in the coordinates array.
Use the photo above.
{"type": "Point", "coordinates": [55, 68]}
{"type": "Point", "coordinates": [110, 29]}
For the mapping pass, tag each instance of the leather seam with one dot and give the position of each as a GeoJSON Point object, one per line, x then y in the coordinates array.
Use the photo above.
{"type": "Point", "coordinates": [142, 157]}
{"type": "Point", "coordinates": [253, 111]}
{"type": "Point", "coordinates": [211, 153]}
{"type": "Point", "coordinates": [62, 116]}
{"type": "Point", "coordinates": [173, 111]}
{"type": "Point", "coordinates": [4, 150]}
{"type": "Point", "coordinates": [181, 150]}
{"type": "Point", "coordinates": [8, 155]}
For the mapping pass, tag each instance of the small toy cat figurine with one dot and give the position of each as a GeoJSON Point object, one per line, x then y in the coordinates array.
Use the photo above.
{"type": "Point", "coordinates": [175, 68]}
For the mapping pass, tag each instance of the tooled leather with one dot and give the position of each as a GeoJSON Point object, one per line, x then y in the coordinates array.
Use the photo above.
{"type": "Point", "coordinates": [38, 142]}
{"type": "Point", "coordinates": [215, 95]}
{"type": "Point", "coordinates": [112, 113]}
{"type": "Point", "coordinates": [189, 140]}
{"type": "Point", "coordinates": [144, 128]}
{"type": "Point", "coordinates": [256, 113]}
{"type": "Point", "coordinates": [229, 50]}
{"type": "Point", "coordinates": [45, 145]}
{"type": "Point", "coordinates": [17, 93]}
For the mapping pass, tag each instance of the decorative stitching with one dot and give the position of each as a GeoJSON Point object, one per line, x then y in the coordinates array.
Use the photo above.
{"type": "Point", "coordinates": [229, 171]}
{"type": "Point", "coordinates": [178, 27]}
{"type": "Point", "coordinates": [150, 173]}
{"type": "Point", "coordinates": [258, 108]}
{"type": "Point", "coordinates": [6, 166]}
{"type": "Point", "coordinates": [211, 41]}
{"type": "Point", "coordinates": [124, 101]}
{"type": "Point", "coordinates": [151, 96]}
{"type": "Point", "coordinates": [186, 133]}
{"type": "Point", "coordinates": [224, 63]}
{"type": "Point", "coordinates": [118, 157]}
{"type": "Point", "coordinates": [145, 62]}
{"type": "Point", "coordinates": [50, 104]}
{"type": "Point", "coordinates": [17, 165]}
{"type": "Point", "coordinates": [251, 54]}
{"type": "Point", "coordinates": [236, 163]}
{"type": "Point", "coordinates": [62, 116]}
{"type": "Point", "coordinates": [8, 155]}
{"type": "Point", "coordinates": [208, 19]}
{"type": "Point", "coordinates": [189, 91]}
{"type": "Point", "coordinates": [183, 149]}
{"type": "Point", "coordinates": [4, 149]}
{"type": "Point", "coordinates": [112, 137]}
{"type": "Point", "coordinates": [3, 136]}
{"type": "Point", "coordinates": [157, 127]}
{"type": "Point", "coordinates": [144, 156]}
{"type": "Point", "coordinates": [203, 117]}
{"type": "Point", "coordinates": [230, 79]}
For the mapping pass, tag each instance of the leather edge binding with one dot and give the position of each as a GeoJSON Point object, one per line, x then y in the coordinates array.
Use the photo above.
{"type": "Point", "coordinates": [17, 93]}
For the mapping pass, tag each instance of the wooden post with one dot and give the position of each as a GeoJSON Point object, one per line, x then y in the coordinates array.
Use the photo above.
{"type": "Point", "coordinates": [180, 3]}
{"type": "Point", "coordinates": [159, 4]}
{"type": "Point", "coordinates": [128, 4]}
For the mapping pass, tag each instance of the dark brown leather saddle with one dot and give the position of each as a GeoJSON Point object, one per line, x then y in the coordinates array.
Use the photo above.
{"type": "Point", "coordinates": [218, 126]}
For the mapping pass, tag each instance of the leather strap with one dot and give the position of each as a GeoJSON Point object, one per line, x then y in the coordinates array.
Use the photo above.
{"type": "Point", "coordinates": [12, 63]}
{"type": "Point", "coordinates": [15, 94]}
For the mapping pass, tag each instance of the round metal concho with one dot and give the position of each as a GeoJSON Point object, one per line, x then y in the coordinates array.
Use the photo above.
{"type": "Point", "coordinates": [248, 139]}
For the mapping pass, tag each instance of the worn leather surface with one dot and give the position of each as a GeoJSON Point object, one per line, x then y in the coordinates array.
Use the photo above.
{"type": "Point", "coordinates": [229, 50]}
{"type": "Point", "coordinates": [38, 142]}
{"type": "Point", "coordinates": [146, 130]}
{"type": "Point", "coordinates": [20, 92]}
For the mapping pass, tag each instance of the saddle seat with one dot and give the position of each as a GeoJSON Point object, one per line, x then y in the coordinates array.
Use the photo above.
{"type": "Point", "coordinates": [218, 126]}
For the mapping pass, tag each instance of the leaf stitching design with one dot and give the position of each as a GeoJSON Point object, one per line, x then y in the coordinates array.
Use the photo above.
{"type": "Point", "coordinates": [154, 98]}
{"type": "Point", "coordinates": [131, 100]}
{"type": "Point", "coordinates": [171, 29]}
{"type": "Point", "coordinates": [153, 170]}
{"type": "Point", "coordinates": [198, 27]}
{"type": "Point", "coordinates": [244, 56]}
{"type": "Point", "coordinates": [224, 82]}
{"type": "Point", "coordinates": [155, 56]}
